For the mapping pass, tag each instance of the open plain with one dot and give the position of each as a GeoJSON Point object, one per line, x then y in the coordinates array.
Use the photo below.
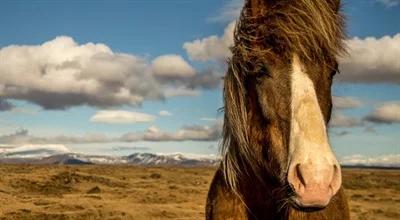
{"type": "Point", "coordinates": [59, 192]}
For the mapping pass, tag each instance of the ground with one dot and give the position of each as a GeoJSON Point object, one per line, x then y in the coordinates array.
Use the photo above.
{"type": "Point", "coordinates": [128, 192]}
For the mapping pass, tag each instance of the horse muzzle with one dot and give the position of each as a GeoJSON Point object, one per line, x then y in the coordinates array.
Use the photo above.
{"type": "Point", "coordinates": [314, 185]}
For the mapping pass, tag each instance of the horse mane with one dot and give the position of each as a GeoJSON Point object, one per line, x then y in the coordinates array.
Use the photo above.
{"type": "Point", "coordinates": [314, 30]}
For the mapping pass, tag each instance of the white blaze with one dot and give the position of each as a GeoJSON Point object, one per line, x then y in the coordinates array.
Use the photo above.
{"type": "Point", "coordinates": [308, 136]}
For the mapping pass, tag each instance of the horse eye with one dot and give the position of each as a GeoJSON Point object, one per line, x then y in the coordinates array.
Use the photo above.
{"type": "Point", "coordinates": [334, 70]}
{"type": "Point", "coordinates": [262, 71]}
{"type": "Point", "coordinates": [333, 73]}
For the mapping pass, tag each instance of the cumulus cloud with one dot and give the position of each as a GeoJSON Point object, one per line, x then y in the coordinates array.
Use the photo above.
{"type": "Point", "coordinates": [208, 79]}
{"type": "Point", "coordinates": [389, 3]}
{"type": "Point", "coordinates": [20, 136]}
{"type": "Point", "coordinates": [65, 139]}
{"type": "Point", "coordinates": [121, 117]}
{"type": "Point", "coordinates": [152, 134]}
{"type": "Point", "coordinates": [187, 133]}
{"type": "Point", "coordinates": [229, 12]}
{"type": "Point", "coordinates": [372, 60]}
{"type": "Point", "coordinates": [165, 113]}
{"type": "Point", "coordinates": [208, 119]}
{"type": "Point", "coordinates": [129, 148]}
{"type": "Point", "coordinates": [340, 102]}
{"type": "Point", "coordinates": [390, 160]}
{"type": "Point", "coordinates": [213, 47]}
{"type": "Point", "coordinates": [339, 120]}
{"type": "Point", "coordinates": [172, 66]}
{"type": "Point", "coordinates": [23, 137]}
{"type": "Point", "coordinates": [387, 113]}
{"type": "Point", "coordinates": [180, 91]}
{"type": "Point", "coordinates": [177, 74]}
{"type": "Point", "coordinates": [5, 105]}
{"type": "Point", "coordinates": [61, 73]}
{"type": "Point", "coordinates": [35, 151]}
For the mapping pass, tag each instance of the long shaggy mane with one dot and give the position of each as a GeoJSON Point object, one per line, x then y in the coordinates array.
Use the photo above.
{"type": "Point", "coordinates": [314, 30]}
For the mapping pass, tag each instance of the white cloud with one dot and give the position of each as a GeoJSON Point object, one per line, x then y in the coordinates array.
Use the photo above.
{"type": "Point", "coordinates": [342, 121]}
{"type": "Point", "coordinates": [208, 119]}
{"type": "Point", "coordinates": [213, 47]}
{"type": "Point", "coordinates": [121, 117]}
{"type": "Point", "coordinates": [6, 105]}
{"type": "Point", "coordinates": [390, 160]}
{"type": "Point", "coordinates": [165, 113]}
{"type": "Point", "coordinates": [340, 102]}
{"type": "Point", "coordinates": [229, 12]}
{"type": "Point", "coordinates": [387, 113]}
{"type": "Point", "coordinates": [152, 134]}
{"type": "Point", "coordinates": [389, 3]}
{"type": "Point", "coordinates": [372, 60]}
{"type": "Point", "coordinates": [61, 73]}
{"type": "Point", "coordinates": [172, 66]}
{"type": "Point", "coordinates": [153, 129]}
{"type": "Point", "coordinates": [35, 151]}
{"type": "Point", "coordinates": [187, 133]}
{"type": "Point", "coordinates": [180, 91]}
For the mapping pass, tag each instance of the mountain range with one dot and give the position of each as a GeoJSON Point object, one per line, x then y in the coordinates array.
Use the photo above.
{"type": "Point", "coordinates": [59, 154]}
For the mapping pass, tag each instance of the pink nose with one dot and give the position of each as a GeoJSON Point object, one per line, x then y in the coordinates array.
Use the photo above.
{"type": "Point", "coordinates": [313, 184]}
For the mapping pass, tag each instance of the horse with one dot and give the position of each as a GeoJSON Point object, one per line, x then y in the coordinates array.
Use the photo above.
{"type": "Point", "coordinates": [277, 162]}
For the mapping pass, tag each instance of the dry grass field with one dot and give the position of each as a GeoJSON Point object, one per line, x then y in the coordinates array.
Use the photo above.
{"type": "Point", "coordinates": [127, 192]}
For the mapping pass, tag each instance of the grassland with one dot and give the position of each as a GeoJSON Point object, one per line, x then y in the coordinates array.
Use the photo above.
{"type": "Point", "coordinates": [127, 192]}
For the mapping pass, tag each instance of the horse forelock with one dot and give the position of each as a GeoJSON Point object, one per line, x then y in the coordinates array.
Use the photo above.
{"type": "Point", "coordinates": [314, 30]}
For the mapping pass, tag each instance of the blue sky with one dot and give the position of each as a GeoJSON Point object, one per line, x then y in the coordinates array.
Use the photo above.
{"type": "Point", "coordinates": [162, 34]}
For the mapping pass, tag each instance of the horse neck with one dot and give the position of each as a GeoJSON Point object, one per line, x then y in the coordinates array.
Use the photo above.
{"type": "Point", "coordinates": [264, 201]}
{"type": "Point", "coordinates": [261, 198]}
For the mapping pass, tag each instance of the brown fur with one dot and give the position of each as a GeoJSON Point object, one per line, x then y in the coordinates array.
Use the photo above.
{"type": "Point", "coordinates": [251, 182]}
{"type": "Point", "coordinates": [224, 204]}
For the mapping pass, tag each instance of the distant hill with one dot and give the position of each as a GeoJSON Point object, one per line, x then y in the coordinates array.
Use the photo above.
{"type": "Point", "coordinates": [371, 167]}
{"type": "Point", "coordinates": [172, 159]}
{"type": "Point", "coordinates": [59, 154]}
{"type": "Point", "coordinates": [144, 159]}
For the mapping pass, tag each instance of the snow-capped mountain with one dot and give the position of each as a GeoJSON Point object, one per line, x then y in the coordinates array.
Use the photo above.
{"type": "Point", "coordinates": [390, 160]}
{"type": "Point", "coordinates": [59, 154]}
{"type": "Point", "coordinates": [170, 159]}
{"type": "Point", "coordinates": [144, 159]}
{"type": "Point", "coordinates": [33, 151]}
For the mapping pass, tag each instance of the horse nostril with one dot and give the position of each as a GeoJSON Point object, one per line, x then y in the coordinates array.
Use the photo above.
{"type": "Point", "coordinates": [314, 184]}
{"type": "Point", "coordinates": [299, 175]}
{"type": "Point", "coordinates": [336, 180]}
{"type": "Point", "coordinates": [303, 177]}
{"type": "Point", "coordinates": [335, 172]}
{"type": "Point", "coordinates": [297, 179]}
